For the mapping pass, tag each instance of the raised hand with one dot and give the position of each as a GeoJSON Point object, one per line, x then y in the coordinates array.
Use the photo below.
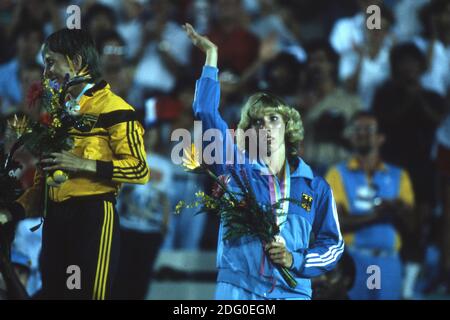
{"type": "Point", "coordinates": [203, 43]}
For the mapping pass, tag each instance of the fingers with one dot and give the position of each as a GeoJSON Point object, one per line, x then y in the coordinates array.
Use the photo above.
{"type": "Point", "coordinates": [274, 245]}
{"type": "Point", "coordinates": [55, 161]}
{"type": "Point", "coordinates": [51, 158]}
{"type": "Point", "coordinates": [281, 258]}
{"type": "Point", "coordinates": [190, 31]}
{"type": "Point", "coordinates": [276, 250]}
{"type": "Point", "coordinates": [55, 167]}
{"type": "Point", "coordinates": [188, 27]}
{"type": "Point", "coordinates": [278, 253]}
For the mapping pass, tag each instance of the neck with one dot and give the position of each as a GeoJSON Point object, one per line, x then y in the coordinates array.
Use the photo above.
{"type": "Point", "coordinates": [76, 90]}
{"type": "Point", "coordinates": [326, 87]}
{"type": "Point", "coordinates": [369, 162]}
{"type": "Point", "coordinates": [276, 161]}
{"type": "Point", "coordinates": [374, 48]}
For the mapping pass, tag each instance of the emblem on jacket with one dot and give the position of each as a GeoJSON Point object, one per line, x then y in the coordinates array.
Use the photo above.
{"type": "Point", "coordinates": [306, 202]}
{"type": "Point", "coordinates": [86, 122]}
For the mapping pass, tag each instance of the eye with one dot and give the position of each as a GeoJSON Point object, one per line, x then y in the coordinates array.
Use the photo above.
{"type": "Point", "coordinates": [257, 122]}
{"type": "Point", "coordinates": [274, 118]}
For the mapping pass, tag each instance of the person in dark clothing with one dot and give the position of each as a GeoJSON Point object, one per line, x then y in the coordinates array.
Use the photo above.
{"type": "Point", "coordinates": [408, 116]}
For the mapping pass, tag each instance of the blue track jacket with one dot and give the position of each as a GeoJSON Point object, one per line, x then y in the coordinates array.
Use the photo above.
{"type": "Point", "coordinates": [311, 231]}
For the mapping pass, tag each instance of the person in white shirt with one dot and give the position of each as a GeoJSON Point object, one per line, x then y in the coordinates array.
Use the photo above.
{"type": "Point", "coordinates": [364, 67]}
{"type": "Point", "coordinates": [434, 44]}
{"type": "Point", "coordinates": [349, 31]}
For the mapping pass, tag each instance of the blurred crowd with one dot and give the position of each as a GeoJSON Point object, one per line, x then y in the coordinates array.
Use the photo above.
{"type": "Point", "coordinates": [318, 55]}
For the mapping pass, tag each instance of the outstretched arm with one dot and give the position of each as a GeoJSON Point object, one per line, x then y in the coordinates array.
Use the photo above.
{"type": "Point", "coordinates": [206, 103]}
{"type": "Point", "coordinates": [204, 44]}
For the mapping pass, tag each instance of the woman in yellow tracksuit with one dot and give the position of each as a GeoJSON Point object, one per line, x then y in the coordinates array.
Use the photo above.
{"type": "Point", "coordinates": [80, 236]}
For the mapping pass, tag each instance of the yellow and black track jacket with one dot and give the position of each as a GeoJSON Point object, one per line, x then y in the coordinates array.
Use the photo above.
{"type": "Point", "coordinates": [114, 140]}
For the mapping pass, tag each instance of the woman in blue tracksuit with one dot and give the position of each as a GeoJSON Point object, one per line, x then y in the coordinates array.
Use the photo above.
{"type": "Point", "coordinates": [310, 241]}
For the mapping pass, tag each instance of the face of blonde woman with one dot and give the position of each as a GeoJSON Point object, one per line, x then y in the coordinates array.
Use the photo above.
{"type": "Point", "coordinates": [273, 127]}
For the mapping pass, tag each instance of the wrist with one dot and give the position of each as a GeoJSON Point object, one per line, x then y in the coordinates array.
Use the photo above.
{"type": "Point", "coordinates": [290, 260]}
{"type": "Point", "coordinates": [89, 166]}
{"type": "Point", "coordinates": [211, 57]}
{"type": "Point", "coordinates": [104, 169]}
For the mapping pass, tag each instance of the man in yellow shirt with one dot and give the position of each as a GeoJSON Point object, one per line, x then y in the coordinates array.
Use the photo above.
{"type": "Point", "coordinates": [80, 235]}
{"type": "Point", "coordinates": [375, 200]}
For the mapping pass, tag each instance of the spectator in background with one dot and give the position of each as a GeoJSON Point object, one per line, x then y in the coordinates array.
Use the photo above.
{"type": "Point", "coordinates": [443, 168]}
{"type": "Point", "coordinates": [271, 21]}
{"type": "Point", "coordinates": [366, 65]}
{"type": "Point", "coordinates": [44, 13]}
{"type": "Point", "coordinates": [116, 72]}
{"type": "Point", "coordinates": [29, 244]}
{"type": "Point", "coordinates": [325, 105]}
{"type": "Point", "coordinates": [408, 115]}
{"type": "Point", "coordinates": [6, 40]}
{"type": "Point", "coordinates": [237, 44]}
{"type": "Point", "coordinates": [185, 230]}
{"type": "Point", "coordinates": [28, 40]}
{"type": "Point", "coordinates": [11, 289]}
{"type": "Point", "coordinates": [374, 201]}
{"type": "Point", "coordinates": [348, 32]}
{"type": "Point", "coordinates": [160, 63]}
{"type": "Point", "coordinates": [407, 22]}
{"type": "Point", "coordinates": [335, 284]}
{"type": "Point", "coordinates": [30, 73]}
{"type": "Point", "coordinates": [235, 89]}
{"type": "Point", "coordinates": [131, 26]}
{"type": "Point", "coordinates": [144, 212]}
{"type": "Point", "coordinates": [99, 19]}
{"type": "Point", "coordinates": [282, 76]}
{"type": "Point", "coordinates": [435, 45]}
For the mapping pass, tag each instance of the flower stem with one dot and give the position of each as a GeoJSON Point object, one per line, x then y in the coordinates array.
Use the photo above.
{"type": "Point", "coordinates": [287, 276]}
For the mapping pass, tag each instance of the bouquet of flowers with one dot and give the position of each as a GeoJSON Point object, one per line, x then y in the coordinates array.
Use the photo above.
{"type": "Point", "coordinates": [58, 115]}
{"type": "Point", "coordinates": [240, 212]}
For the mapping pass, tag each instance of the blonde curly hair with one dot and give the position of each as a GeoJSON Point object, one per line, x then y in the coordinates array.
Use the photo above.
{"type": "Point", "coordinates": [261, 104]}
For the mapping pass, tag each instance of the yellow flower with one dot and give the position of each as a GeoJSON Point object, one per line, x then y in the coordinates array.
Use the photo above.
{"type": "Point", "coordinates": [211, 205]}
{"type": "Point", "coordinates": [200, 194]}
{"type": "Point", "coordinates": [191, 159]}
{"type": "Point", "coordinates": [84, 72]}
{"type": "Point", "coordinates": [19, 125]}
{"type": "Point", "coordinates": [179, 206]}
{"type": "Point", "coordinates": [56, 123]}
